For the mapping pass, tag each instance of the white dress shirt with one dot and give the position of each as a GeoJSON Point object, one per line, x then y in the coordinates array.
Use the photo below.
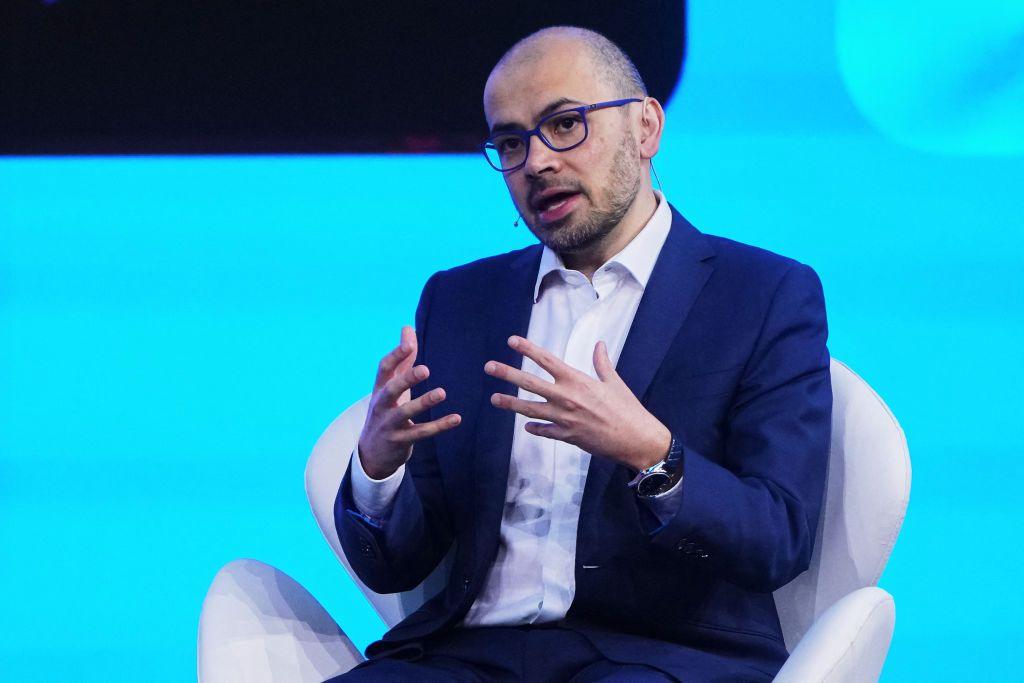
{"type": "Point", "coordinates": [533, 578]}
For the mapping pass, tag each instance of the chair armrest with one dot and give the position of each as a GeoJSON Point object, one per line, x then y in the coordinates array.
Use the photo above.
{"type": "Point", "coordinates": [258, 625]}
{"type": "Point", "coordinates": [848, 642]}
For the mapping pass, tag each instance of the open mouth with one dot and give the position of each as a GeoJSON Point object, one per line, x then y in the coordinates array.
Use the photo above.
{"type": "Point", "coordinates": [556, 206]}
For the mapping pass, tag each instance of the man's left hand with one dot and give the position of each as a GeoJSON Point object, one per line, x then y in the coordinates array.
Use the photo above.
{"type": "Point", "coordinates": [600, 416]}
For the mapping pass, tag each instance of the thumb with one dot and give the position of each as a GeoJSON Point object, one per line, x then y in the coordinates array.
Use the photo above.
{"type": "Point", "coordinates": [602, 363]}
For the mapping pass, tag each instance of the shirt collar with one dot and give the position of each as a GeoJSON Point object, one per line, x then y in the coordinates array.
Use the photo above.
{"type": "Point", "coordinates": [637, 257]}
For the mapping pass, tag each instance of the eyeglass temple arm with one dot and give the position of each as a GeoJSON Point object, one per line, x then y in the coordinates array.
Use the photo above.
{"type": "Point", "coordinates": [613, 103]}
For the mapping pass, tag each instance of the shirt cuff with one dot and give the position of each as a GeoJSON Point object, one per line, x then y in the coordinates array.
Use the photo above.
{"type": "Point", "coordinates": [666, 504]}
{"type": "Point", "coordinates": [374, 497]}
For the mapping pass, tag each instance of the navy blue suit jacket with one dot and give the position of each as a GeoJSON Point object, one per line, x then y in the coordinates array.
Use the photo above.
{"type": "Point", "coordinates": [728, 350]}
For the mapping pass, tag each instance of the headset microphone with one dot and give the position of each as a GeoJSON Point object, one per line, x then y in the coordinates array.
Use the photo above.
{"type": "Point", "coordinates": [516, 224]}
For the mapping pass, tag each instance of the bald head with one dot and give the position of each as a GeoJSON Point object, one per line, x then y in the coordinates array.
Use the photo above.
{"type": "Point", "coordinates": [580, 177]}
{"type": "Point", "coordinates": [610, 64]}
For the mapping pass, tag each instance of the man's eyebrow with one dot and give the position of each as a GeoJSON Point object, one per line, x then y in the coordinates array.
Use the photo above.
{"type": "Point", "coordinates": [551, 107]}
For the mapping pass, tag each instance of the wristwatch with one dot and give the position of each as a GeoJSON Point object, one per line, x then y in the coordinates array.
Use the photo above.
{"type": "Point", "coordinates": [662, 476]}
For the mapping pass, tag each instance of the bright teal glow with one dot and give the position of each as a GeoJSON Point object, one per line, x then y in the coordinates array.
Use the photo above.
{"type": "Point", "coordinates": [176, 332]}
{"type": "Point", "coordinates": [940, 76]}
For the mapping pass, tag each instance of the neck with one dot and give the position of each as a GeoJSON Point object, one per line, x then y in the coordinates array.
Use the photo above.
{"type": "Point", "coordinates": [588, 260]}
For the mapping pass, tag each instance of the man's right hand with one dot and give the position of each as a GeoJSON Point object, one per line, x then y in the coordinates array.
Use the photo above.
{"type": "Point", "coordinates": [389, 433]}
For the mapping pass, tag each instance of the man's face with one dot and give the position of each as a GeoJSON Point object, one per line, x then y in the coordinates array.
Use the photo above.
{"type": "Point", "coordinates": [569, 200]}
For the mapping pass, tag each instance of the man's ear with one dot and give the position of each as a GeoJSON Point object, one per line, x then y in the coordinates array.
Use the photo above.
{"type": "Point", "coordinates": [652, 123]}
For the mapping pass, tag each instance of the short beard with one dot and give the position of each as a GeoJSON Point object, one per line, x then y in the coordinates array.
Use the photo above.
{"type": "Point", "coordinates": [597, 224]}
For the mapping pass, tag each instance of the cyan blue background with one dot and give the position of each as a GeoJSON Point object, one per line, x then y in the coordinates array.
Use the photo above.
{"type": "Point", "coordinates": [176, 332]}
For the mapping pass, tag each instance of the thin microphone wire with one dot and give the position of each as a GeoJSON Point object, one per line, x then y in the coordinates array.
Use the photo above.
{"type": "Point", "coordinates": [656, 178]}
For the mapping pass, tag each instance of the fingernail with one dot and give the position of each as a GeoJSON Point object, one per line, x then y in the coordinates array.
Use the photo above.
{"type": "Point", "coordinates": [513, 341]}
{"type": "Point", "coordinates": [489, 367]}
{"type": "Point", "coordinates": [420, 372]}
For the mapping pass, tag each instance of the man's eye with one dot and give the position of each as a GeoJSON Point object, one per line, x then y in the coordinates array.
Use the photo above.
{"type": "Point", "coordinates": [508, 145]}
{"type": "Point", "coordinates": [566, 124]}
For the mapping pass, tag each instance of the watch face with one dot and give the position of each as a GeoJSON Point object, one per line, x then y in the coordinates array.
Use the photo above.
{"type": "Point", "coordinates": [653, 484]}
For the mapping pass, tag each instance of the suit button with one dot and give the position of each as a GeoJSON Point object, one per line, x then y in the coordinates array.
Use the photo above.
{"type": "Point", "coordinates": [365, 549]}
{"type": "Point", "coordinates": [465, 583]}
{"type": "Point", "coordinates": [686, 546]}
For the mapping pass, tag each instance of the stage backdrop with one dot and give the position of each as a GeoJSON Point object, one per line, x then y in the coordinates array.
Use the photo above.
{"type": "Point", "coordinates": [175, 332]}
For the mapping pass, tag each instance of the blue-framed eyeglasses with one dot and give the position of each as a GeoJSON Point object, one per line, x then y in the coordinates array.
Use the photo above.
{"type": "Point", "coordinates": [560, 131]}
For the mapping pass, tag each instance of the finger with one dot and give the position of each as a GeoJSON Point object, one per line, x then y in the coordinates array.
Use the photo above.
{"type": "Point", "coordinates": [427, 429]}
{"type": "Point", "coordinates": [539, 409]}
{"type": "Point", "coordinates": [548, 431]}
{"type": "Point", "coordinates": [409, 337]}
{"type": "Point", "coordinates": [397, 385]}
{"type": "Point", "coordinates": [410, 409]}
{"type": "Point", "coordinates": [602, 363]}
{"type": "Point", "coordinates": [555, 366]}
{"type": "Point", "coordinates": [390, 362]}
{"type": "Point", "coordinates": [408, 341]}
{"type": "Point", "coordinates": [531, 383]}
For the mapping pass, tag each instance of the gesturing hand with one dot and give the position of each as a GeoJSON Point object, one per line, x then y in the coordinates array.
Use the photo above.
{"type": "Point", "coordinates": [389, 433]}
{"type": "Point", "coordinates": [600, 416]}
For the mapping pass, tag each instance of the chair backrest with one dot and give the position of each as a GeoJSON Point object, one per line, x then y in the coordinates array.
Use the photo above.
{"type": "Point", "coordinates": [866, 498]}
{"type": "Point", "coordinates": [324, 472]}
{"type": "Point", "coordinates": [865, 501]}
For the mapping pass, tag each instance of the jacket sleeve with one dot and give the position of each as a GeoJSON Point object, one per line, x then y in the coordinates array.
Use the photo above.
{"type": "Point", "coordinates": [395, 554]}
{"type": "Point", "coordinates": [753, 513]}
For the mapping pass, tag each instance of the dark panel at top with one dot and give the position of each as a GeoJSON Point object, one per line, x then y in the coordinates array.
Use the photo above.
{"type": "Point", "coordinates": [158, 76]}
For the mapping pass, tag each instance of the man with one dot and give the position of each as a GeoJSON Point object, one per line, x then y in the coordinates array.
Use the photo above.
{"type": "Point", "coordinates": [622, 431]}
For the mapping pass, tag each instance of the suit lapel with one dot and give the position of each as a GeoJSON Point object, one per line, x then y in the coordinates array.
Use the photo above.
{"type": "Point", "coordinates": [679, 274]}
{"type": "Point", "coordinates": [494, 426]}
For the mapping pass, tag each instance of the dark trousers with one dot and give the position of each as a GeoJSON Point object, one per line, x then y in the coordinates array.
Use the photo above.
{"type": "Point", "coordinates": [538, 654]}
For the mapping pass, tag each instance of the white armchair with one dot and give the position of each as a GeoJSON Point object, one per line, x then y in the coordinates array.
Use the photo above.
{"type": "Point", "coordinates": [259, 625]}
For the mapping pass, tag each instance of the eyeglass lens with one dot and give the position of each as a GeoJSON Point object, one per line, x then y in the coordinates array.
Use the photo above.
{"type": "Point", "coordinates": [561, 131]}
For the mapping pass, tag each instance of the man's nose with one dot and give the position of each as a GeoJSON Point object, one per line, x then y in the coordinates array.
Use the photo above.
{"type": "Point", "coordinates": [540, 157]}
